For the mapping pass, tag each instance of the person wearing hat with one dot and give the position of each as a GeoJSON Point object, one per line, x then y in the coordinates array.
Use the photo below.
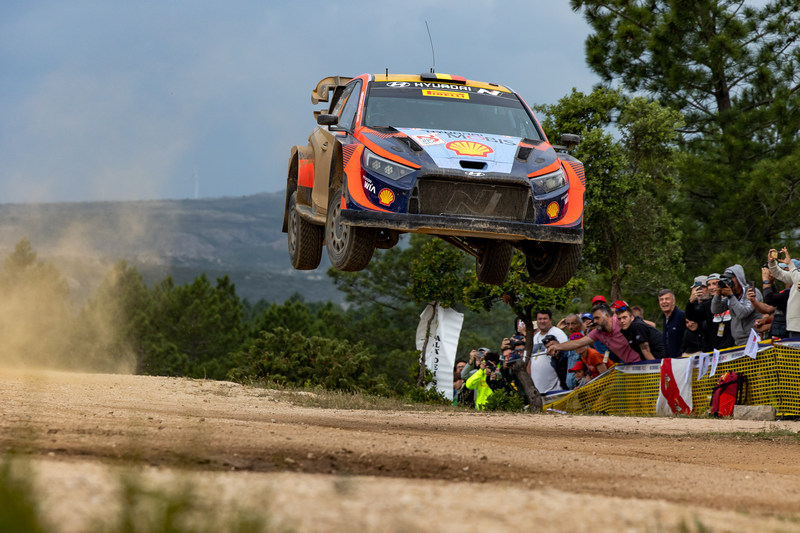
{"type": "Point", "coordinates": [791, 278]}
{"type": "Point", "coordinates": [595, 361]}
{"type": "Point", "coordinates": [715, 326]}
{"type": "Point", "coordinates": [597, 300]}
{"type": "Point", "coordinates": [580, 374]}
{"type": "Point", "coordinates": [732, 295]}
{"type": "Point", "coordinates": [479, 381]}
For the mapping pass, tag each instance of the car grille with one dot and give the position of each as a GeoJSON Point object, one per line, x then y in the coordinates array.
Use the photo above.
{"type": "Point", "coordinates": [473, 199]}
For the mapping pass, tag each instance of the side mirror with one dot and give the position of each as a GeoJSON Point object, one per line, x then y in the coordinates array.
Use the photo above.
{"type": "Point", "coordinates": [570, 140]}
{"type": "Point", "coordinates": [327, 120]}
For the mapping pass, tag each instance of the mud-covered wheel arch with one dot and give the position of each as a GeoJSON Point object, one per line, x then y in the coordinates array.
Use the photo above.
{"type": "Point", "coordinates": [291, 188]}
{"type": "Point", "coordinates": [305, 239]}
{"type": "Point", "coordinates": [292, 182]}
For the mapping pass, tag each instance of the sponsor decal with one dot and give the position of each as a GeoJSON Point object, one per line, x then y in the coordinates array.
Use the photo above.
{"type": "Point", "coordinates": [511, 141]}
{"type": "Point", "coordinates": [428, 140]}
{"type": "Point", "coordinates": [386, 197]}
{"type": "Point", "coordinates": [368, 185]}
{"type": "Point", "coordinates": [445, 94]}
{"type": "Point", "coordinates": [469, 148]}
{"type": "Point", "coordinates": [443, 86]}
{"type": "Point", "coordinates": [552, 210]}
{"type": "Point", "coordinates": [475, 174]}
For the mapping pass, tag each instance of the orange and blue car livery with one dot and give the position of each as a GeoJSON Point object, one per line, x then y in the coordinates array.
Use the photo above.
{"type": "Point", "coordinates": [445, 190]}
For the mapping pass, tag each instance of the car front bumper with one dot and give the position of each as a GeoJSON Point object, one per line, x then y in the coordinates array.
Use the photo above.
{"type": "Point", "coordinates": [459, 226]}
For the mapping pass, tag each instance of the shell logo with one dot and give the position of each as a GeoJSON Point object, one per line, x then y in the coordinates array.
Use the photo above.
{"type": "Point", "coordinates": [469, 148]}
{"type": "Point", "coordinates": [386, 197]}
{"type": "Point", "coordinates": [552, 210]}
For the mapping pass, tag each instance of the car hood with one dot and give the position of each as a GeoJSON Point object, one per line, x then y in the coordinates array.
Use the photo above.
{"type": "Point", "coordinates": [449, 149]}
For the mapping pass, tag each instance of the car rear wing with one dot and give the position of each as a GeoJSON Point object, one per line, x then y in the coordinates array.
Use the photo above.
{"type": "Point", "coordinates": [322, 92]}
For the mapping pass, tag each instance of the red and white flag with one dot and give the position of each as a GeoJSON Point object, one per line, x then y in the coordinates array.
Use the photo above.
{"type": "Point", "coordinates": [675, 392]}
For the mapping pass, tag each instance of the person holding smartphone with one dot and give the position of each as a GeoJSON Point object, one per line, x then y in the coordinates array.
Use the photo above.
{"type": "Point", "coordinates": [791, 278]}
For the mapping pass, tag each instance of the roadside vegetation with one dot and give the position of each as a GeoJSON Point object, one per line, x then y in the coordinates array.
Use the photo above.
{"type": "Point", "coordinates": [140, 506]}
{"type": "Point", "coordinates": [690, 163]}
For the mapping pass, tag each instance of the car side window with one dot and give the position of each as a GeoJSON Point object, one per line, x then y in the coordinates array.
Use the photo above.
{"type": "Point", "coordinates": [348, 115]}
{"type": "Point", "coordinates": [339, 97]}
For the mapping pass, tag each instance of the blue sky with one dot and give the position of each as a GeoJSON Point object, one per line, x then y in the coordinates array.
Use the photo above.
{"type": "Point", "coordinates": [111, 100]}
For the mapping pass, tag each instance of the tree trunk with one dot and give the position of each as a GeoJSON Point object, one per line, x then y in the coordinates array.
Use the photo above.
{"type": "Point", "coordinates": [421, 377]}
{"type": "Point", "coordinates": [521, 368]}
{"type": "Point", "coordinates": [524, 379]}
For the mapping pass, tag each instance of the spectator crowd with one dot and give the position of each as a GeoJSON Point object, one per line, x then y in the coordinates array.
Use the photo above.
{"type": "Point", "coordinates": [721, 311]}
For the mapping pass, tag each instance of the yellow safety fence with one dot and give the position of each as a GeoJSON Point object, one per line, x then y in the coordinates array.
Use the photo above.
{"type": "Point", "coordinates": [773, 379]}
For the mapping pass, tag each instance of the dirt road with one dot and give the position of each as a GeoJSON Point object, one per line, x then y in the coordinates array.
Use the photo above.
{"type": "Point", "coordinates": [328, 469]}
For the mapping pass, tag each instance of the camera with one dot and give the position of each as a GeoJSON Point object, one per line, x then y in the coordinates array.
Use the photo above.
{"type": "Point", "coordinates": [725, 283]}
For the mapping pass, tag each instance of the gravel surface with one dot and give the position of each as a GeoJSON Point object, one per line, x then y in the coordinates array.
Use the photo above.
{"type": "Point", "coordinates": [313, 469]}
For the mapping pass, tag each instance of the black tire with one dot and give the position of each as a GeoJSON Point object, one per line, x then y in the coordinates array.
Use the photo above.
{"type": "Point", "coordinates": [305, 239]}
{"type": "Point", "coordinates": [492, 266]}
{"type": "Point", "coordinates": [552, 264]}
{"type": "Point", "coordinates": [349, 247]}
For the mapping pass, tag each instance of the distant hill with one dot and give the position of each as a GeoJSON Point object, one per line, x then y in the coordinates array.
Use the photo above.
{"type": "Point", "coordinates": [240, 237]}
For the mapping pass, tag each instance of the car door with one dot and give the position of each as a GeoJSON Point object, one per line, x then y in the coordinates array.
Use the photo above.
{"type": "Point", "coordinates": [323, 141]}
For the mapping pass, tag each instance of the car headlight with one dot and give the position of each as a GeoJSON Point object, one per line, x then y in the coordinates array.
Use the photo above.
{"type": "Point", "coordinates": [551, 182]}
{"type": "Point", "coordinates": [384, 167]}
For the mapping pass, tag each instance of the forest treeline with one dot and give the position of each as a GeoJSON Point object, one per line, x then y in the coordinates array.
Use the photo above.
{"type": "Point", "coordinates": [691, 147]}
{"type": "Point", "coordinates": [204, 330]}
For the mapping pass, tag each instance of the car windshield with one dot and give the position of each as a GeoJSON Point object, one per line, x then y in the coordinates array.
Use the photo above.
{"type": "Point", "coordinates": [447, 107]}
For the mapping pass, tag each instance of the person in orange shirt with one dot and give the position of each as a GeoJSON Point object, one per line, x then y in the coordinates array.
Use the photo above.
{"type": "Point", "coordinates": [595, 362]}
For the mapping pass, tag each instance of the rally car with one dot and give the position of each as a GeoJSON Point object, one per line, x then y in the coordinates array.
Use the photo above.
{"type": "Point", "coordinates": [464, 160]}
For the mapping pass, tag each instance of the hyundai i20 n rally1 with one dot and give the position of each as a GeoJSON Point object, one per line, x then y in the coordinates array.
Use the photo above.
{"type": "Point", "coordinates": [464, 160]}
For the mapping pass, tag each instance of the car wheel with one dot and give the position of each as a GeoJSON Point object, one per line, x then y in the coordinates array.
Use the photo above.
{"type": "Point", "coordinates": [305, 239]}
{"type": "Point", "coordinates": [492, 265]}
{"type": "Point", "coordinates": [552, 264]}
{"type": "Point", "coordinates": [349, 247]}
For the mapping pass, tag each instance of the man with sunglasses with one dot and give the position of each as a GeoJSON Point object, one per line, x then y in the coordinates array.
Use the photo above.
{"type": "Point", "coordinates": [642, 338]}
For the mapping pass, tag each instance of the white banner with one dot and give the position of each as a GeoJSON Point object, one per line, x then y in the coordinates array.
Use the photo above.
{"type": "Point", "coordinates": [675, 390]}
{"type": "Point", "coordinates": [440, 356]}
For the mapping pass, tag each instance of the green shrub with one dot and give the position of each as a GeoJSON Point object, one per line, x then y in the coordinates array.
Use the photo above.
{"type": "Point", "coordinates": [500, 400]}
{"type": "Point", "coordinates": [292, 358]}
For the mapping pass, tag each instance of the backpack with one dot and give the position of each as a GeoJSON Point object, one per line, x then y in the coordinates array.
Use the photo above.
{"type": "Point", "coordinates": [731, 389]}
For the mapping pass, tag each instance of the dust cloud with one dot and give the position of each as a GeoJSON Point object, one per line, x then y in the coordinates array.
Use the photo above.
{"type": "Point", "coordinates": [71, 316]}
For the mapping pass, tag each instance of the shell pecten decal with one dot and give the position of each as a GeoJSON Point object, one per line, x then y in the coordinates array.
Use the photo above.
{"type": "Point", "coordinates": [552, 210]}
{"type": "Point", "coordinates": [469, 148]}
{"type": "Point", "coordinates": [386, 197]}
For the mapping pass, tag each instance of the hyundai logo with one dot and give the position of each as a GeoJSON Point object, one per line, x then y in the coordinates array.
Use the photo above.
{"type": "Point", "coordinates": [398, 84]}
{"type": "Point", "coordinates": [476, 174]}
